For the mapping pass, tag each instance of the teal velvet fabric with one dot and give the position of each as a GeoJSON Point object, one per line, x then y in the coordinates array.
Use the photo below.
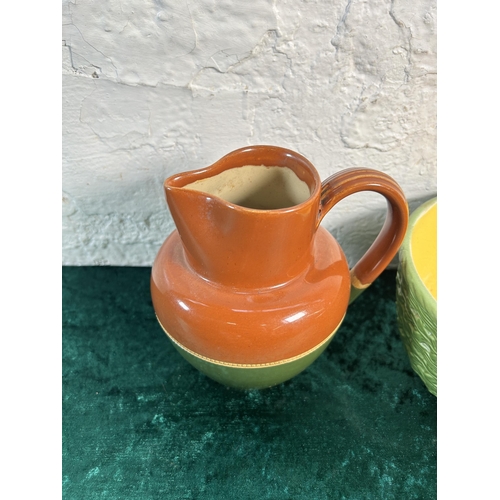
{"type": "Point", "coordinates": [140, 423]}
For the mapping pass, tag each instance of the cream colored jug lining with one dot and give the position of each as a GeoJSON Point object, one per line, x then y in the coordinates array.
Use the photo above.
{"type": "Point", "coordinates": [256, 186]}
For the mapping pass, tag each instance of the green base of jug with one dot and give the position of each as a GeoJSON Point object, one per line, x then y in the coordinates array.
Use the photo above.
{"type": "Point", "coordinates": [257, 376]}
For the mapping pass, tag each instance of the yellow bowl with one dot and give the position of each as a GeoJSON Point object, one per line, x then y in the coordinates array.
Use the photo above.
{"type": "Point", "coordinates": [416, 293]}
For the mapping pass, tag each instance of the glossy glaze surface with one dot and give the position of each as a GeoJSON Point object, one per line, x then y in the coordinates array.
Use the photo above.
{"type": "Point", "coordinates": [251, 325]}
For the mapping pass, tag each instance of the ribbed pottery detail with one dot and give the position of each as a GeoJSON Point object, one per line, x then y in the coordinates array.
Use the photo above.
{"type": "Point", "coordinates": [418, 327]}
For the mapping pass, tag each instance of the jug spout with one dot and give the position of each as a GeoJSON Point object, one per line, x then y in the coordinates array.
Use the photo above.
{"type": "Point", "coordinates": [249, 219]}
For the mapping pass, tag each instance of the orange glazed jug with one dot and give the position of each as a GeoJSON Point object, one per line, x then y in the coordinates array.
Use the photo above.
{"type": "Point", "coordinates": [250, 288]}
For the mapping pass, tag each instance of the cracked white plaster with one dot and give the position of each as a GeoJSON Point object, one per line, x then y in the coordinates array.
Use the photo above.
{"type": "Point", "coordinates": [155, 87]}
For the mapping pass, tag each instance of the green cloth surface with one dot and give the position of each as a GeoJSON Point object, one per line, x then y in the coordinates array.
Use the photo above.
{"type": "Point", "coordinates": [139, 422]}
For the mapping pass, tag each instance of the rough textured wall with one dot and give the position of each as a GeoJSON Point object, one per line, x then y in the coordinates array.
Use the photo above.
{"type": "Point", "coordinates": [155, 87]}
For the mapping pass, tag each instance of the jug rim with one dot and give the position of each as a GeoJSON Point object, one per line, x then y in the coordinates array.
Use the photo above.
{"type": "Point", "coordinates": [283, 157]}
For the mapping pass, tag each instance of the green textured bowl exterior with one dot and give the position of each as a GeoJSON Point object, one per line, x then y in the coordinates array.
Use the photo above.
{"type": "Point", "coordinates": [417, 311]}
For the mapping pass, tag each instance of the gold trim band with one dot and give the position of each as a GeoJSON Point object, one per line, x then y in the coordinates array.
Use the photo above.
{"type": "Point", "coordinates": [356, 283]}
{"type": "Point", "coordinates": [261, 365]}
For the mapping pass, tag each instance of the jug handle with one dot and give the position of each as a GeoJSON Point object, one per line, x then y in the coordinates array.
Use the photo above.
{"type": "Point", "coordinates": [353, 180]}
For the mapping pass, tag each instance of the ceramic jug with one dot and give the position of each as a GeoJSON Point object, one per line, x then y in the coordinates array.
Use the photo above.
{"type": "Point", "coordinates": [250, 288]}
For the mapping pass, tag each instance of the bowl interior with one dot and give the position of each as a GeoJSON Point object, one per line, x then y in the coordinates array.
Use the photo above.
{"type": "Point", "coordinates": [423, 246]}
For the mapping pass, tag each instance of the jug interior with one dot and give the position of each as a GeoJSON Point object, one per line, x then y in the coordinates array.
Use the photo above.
{"type": "Point", "coordinates": [256, 186]}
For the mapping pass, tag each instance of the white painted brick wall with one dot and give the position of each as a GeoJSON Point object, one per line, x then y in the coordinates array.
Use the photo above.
{"type": "Point", "coordinates": [154, 87]}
